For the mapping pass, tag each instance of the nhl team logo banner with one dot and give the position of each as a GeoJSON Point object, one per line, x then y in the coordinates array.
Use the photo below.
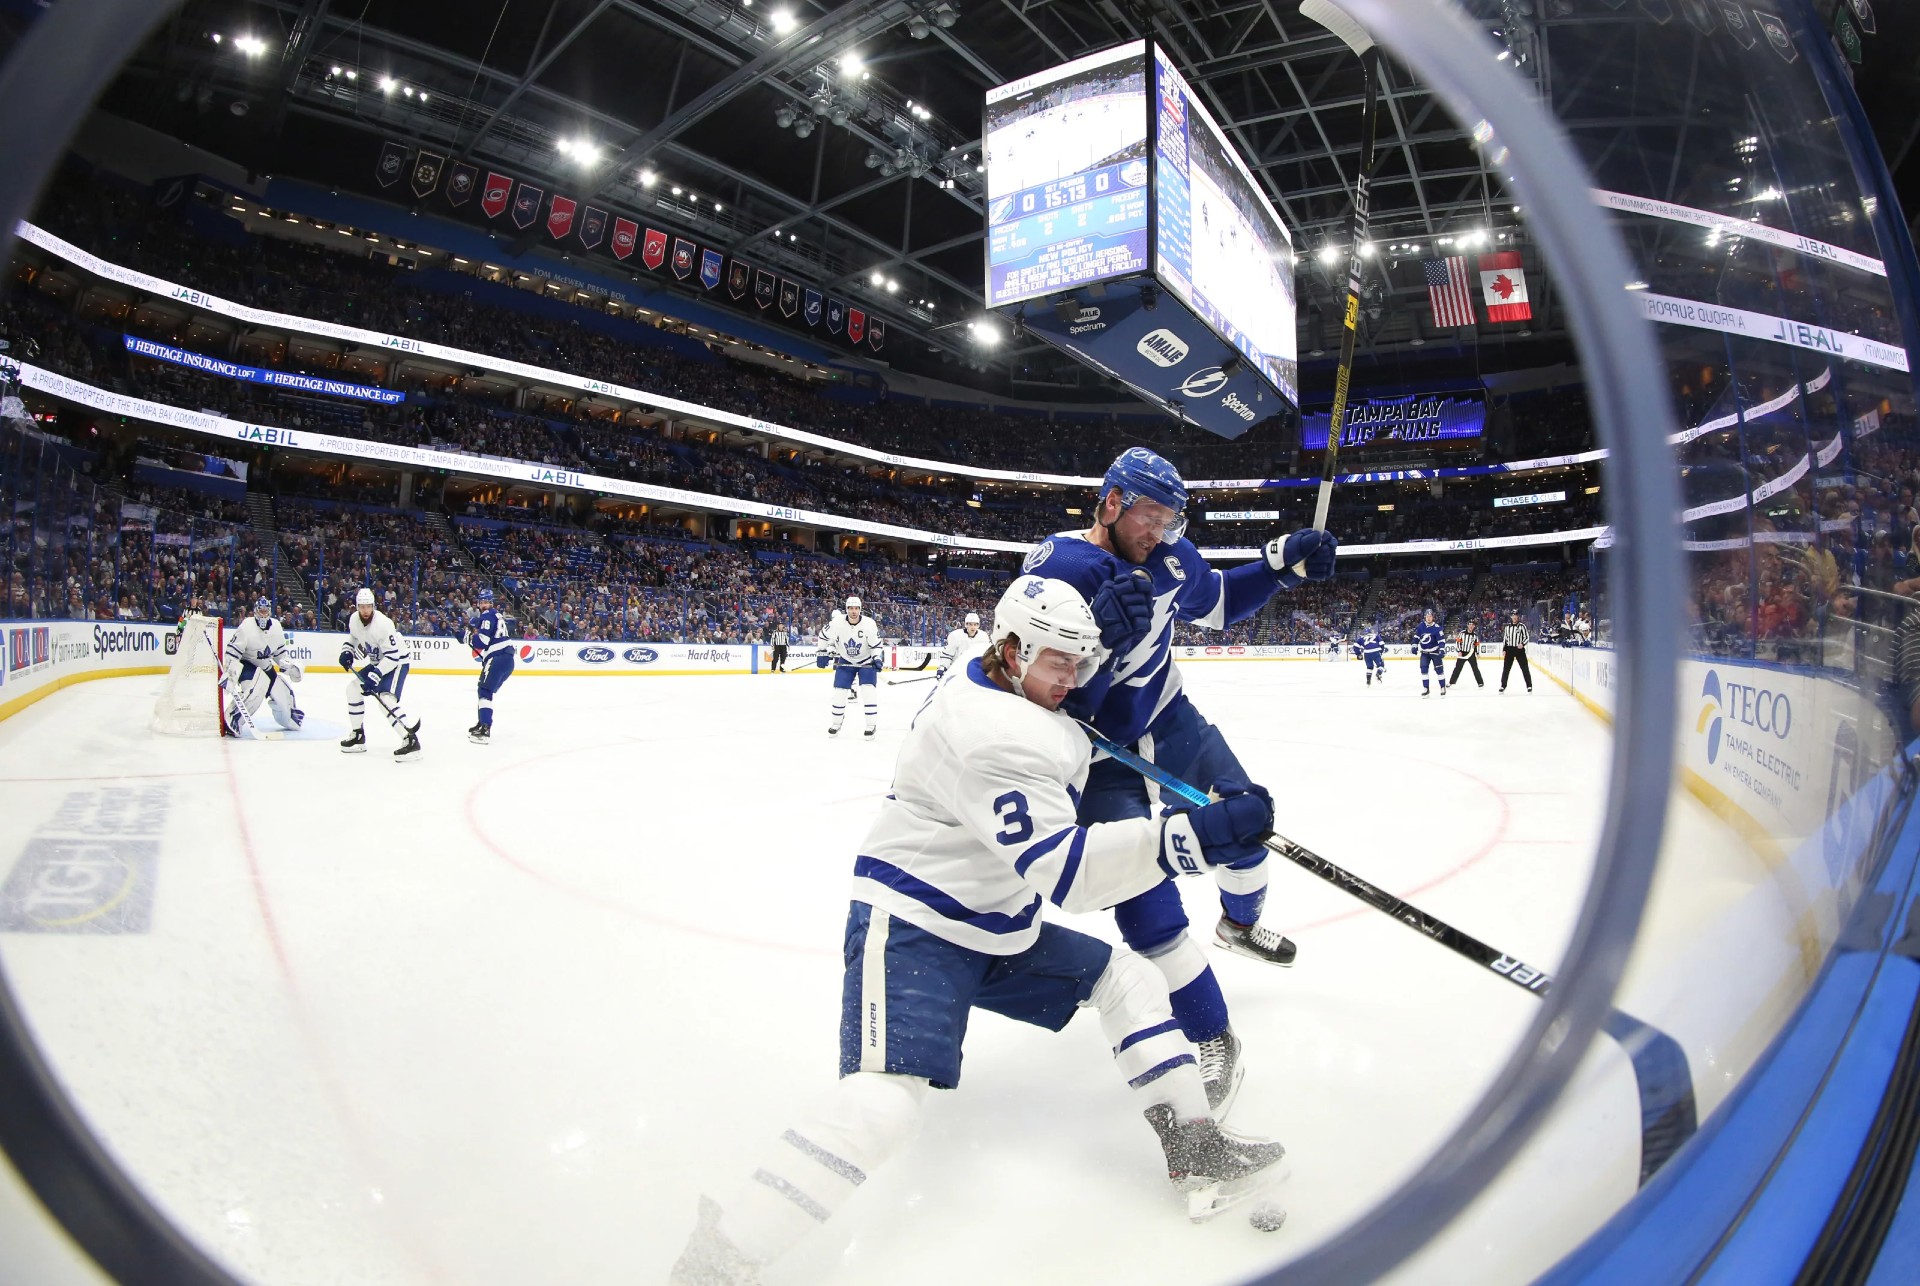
{"type": "Point", "coordinates": [393, 163]}
{"type": "Point", "coordinates": [789, 299]}
{"type": "Point", "coordinates": [653, 251]}
{"type": "Point", "coordinates": [1737, 25]}
{"type": "Point", "coordinates": [763, 288]}
{"type": "Point", "coordinates": [526, 205]}
{"type": "Point", "coordinates": [426, 173]}
{"type": "Point", "coordinates": [493, 197]}
{"type": "Point", "coordinates": [460, 184]}
{"type": "Point", "coordinates": [856, 325]}
{"type": "Point", "coordinates": [737, 277]}
{"type": "Point", "coordinates": [1776, 34]}
{"type": "Point", "coordinates": [876, 333]}
{"type": "Point", "coordinates": [593, 228]}
{"type": "Point", "coordinates": [625, 233]}
{"type": "Point", "coordinates": [682, 257]}
{"type": "Point", "coordinates": [836, 316]}
{"type": "Point", "coordinates": [709, 268]}
{"type": "Point", "coordinates": [560, 217]}
{"type": "Point", "coordinates": [810, 311]}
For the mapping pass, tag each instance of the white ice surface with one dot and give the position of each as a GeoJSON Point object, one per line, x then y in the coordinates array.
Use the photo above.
{"type": "Point", "coordinates": [499, 1016]}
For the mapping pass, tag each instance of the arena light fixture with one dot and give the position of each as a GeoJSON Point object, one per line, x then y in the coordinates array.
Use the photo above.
{"type": "Point", "coordinates": [1329, 254]}
{"type": "Point", "coordinates": [783, 21]}
{"type": "Point", "coordinates": [648, 178]}
{"type": "Point", "coordinates": [352, 74]}
{"type": "Point", "coordinates": [676, 189]}
{"type": "Point", "coordinates": [388, 84]}
{"type": "Point", "coordinates": [851, 64]}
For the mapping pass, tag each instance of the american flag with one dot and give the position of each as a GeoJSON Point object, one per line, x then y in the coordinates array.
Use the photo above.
{"type": "Point", "coordinates": [1447, 291]}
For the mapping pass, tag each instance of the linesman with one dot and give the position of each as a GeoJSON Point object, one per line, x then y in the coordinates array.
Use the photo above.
{"type": "Point", "coordinates": [1467, 651]}
{"type": "Point", "coordinates": [779, 640]}
{"type": "Point", "coordinates": [1516, 640]}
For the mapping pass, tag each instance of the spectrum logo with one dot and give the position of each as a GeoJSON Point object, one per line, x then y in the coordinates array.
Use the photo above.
{"type": "Point", "coordinates": [1710, 720]}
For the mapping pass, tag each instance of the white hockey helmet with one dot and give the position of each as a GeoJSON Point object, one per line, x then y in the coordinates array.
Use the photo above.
{"type": "Point", "coordinates": [973, 618]}
{"type": "Point", "coordinates": [1044, 613]}
{"type": "Point", "coordinates": [363, 599]}
{"type": "Point", "coordinates": [853, 600]}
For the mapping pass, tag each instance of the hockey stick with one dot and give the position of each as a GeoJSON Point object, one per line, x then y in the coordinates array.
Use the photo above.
{"type": "Point", "coordinates": [1336, 20]}
{"type": "Point", "coordinates": [1668, 1117]}
{"type": "Point", "coordinates": [227, 694]}
{"type": "Point", "coordinates": [924, 678]}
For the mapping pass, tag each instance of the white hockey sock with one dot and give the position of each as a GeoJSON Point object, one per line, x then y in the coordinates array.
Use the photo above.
{"type": "Point", "coordinates": [357, 714]}
{"type": "Point", "coordinates": [872, 704]}
{"type": "Point", "coordinates": [1244, 882]}
{"type": "Point", "coordinates": [814, 1167]}
{"type": "Point", "coordinates": [1180, 961]}
{"type": "Point", "coordinates": [1148, 1045]}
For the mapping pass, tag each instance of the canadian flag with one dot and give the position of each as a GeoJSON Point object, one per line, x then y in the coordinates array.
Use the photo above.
{"type": "Point", "coordinates": [1503, 287]}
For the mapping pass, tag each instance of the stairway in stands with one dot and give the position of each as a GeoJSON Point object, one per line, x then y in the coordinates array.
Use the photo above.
{"type": "Point", "coordinates": [463, 558]}
{"type": "Point", "coordinates": [291, 590]}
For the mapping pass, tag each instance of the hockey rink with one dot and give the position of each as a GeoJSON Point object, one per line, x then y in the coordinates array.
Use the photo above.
{"type": "Point", "coordinates": [499, 1016]}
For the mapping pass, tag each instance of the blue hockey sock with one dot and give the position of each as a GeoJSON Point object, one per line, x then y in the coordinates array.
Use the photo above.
{"type": "Point", "coordinates": [1243, 908]}
{"type": "Point", "coordinates": [1197, 1000]}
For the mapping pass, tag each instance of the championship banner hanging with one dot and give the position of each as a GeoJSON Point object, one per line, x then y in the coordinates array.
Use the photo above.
{"type": "Point", "coordinates": [763, 287]}
{"type": "Point", "coordinates": [682, 257]}
{"type": "Point", "coordinates": [1736, 19]}
{"type": "Point", "coordinates": [426, 173]}
{"type": "Point", "coordinates": [560, 217]}
{"type": "Point", "coordinates": [856, 325]}
{"type": "Point", "coordinates": [789, 299]}
{"type": "Point", "coordinates": [737, 278]}
{"type": "Point", "coordinates": [393, 161]}
{"type": "Point", "coordinates": [653, 251]}
{"type": "Point", "coordinates": [811, 310]}
{"type": "Point", "coordinates": [876, 333]}
{"type": "Point", "coordinates": [836, 316]}
{"type": "Point", "coordinates": [1776, 34]}
{"type": "Point", "coordinates": [526, 205]}
{"type": "Point", "coordinates": [460, 184]}
{"type": "Point", "coordinates": [593, 228]}
{"type": "Point", "coordinates": [493, 198]}
{"type": "Point", "coordinates": [709, 268]}
{"type": "Point", "coordinates": [625, 233]}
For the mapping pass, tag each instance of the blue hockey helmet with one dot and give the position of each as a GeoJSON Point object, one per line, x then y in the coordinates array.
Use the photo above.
{"type": "Point", "coordinates": [1139, 474]}
{"type": "Point", "coordinates": [486, 595]}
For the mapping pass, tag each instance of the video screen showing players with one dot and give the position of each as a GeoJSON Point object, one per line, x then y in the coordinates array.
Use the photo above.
{"type": "Point", "coordinates": [1222, 249]}
{"type": "Point", "coordinates": [1066, 161]}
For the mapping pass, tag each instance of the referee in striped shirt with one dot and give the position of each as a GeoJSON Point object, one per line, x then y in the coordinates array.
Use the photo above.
{"type": "Point", "coordinates": [1516, 640]}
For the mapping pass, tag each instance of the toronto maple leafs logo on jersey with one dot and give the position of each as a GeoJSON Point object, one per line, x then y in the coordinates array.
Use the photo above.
{"type": "Point", "coordinates": [852, 646]}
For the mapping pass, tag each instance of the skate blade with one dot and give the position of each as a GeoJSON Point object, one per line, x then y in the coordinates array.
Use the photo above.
{"type": "Point", "coordinates": [1209, 1201]}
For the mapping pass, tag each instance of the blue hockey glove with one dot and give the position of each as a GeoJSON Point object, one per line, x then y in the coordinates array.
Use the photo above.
{"type": "Point", "coordinates": [369, 679]}
{"type": "Point", "coordinates": [1123, 609]}
{"type": "Point", "coordinates": [1233, 829]}
{"type": "Point", "coordinates": [1305, 555]}
{"type": "Point", "coordinates": [820, 658]}
{"type": "Point", "coordinates": [346, 656]}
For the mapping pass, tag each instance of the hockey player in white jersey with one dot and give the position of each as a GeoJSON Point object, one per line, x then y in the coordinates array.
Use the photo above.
{"type": "Point", "coordinates": [258, 670]}
{"type": "Point", "coordinates": [377, 658]}
{"type": "Point", "coordinates": [851, 644]}
{"type": "Point", "coordinates": [963, 644]}
{"type": "Point", "coordinates": [977, 836]}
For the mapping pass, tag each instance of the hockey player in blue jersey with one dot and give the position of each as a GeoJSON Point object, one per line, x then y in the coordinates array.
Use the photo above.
{"type": "Point", "coordinates": [1138, 701]}
{"type": "Point", "coordinates": [1372, 649]}
{"type": "Point", "coordinates": [1431, 642]}
{"type": "Point", "coordinates": [493, 648]}
{"type": "Point", "coordinates": [953, 892]}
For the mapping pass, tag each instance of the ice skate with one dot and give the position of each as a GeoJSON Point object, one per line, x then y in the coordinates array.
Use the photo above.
{"type": "Point", "coordinates": [870, 731]}
{"type": "Point", "coordinates": [356, 743]}
{"type": "Point", "coordinates": [1216, 1169]}
{"type": "Point", "coordinates": [1221, 1071]}
{"type": "Point", "coordinates": [709, 1258]}
{"type": "Point", "coordinates": [1254, 941]}
{"type": "Point", "coordinates": [481, 734]}
{"type": "Point", "coordinates": [410, 751]}
{"type": "Point", "coordinates": [833, 729]}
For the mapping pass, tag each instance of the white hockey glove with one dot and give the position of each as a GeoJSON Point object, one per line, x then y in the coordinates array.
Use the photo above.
{"type": "Point", "coordinates": [293, 672]}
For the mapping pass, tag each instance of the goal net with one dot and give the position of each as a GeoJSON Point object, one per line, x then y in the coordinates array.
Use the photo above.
{"type": "Point", "coordinates": [189, 704]}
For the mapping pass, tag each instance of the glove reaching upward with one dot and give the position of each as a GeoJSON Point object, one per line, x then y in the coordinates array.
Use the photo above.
{"type": "Point", "coordinates": [1306, 555]}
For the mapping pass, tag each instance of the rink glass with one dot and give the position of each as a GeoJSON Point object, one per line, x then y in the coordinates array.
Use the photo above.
{"type": "Point", "coordinates": [1800, 504]}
